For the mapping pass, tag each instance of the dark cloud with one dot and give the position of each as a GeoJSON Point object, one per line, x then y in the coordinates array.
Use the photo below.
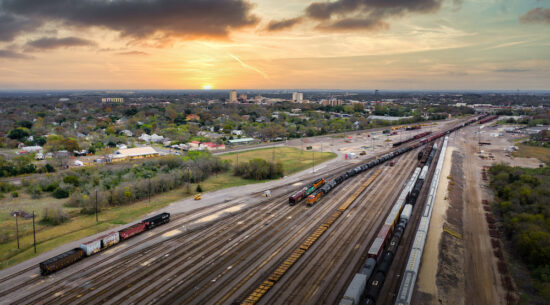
{"type": "Point", "coordinates": [283, 24]}
{"type": "Point", "coordinates": [536, 15]}
{"type": "Point", "coordinates": [354, 24]}
{"type": "Point", "coordinates": [326, 10]}
{"type": "Point", "coordinates": [13, 55]}
{"type": "Point", "coordinates": [141, 18]}
{"type": "Point", "coordinates": [345, 15]}
{"type": "Point", "coordinates": [48, 43]}
{"type": "Point", "coordinates": [12, 25]}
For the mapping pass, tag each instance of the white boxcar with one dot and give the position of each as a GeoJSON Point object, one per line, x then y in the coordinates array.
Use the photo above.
{"type": "Point", "coordinates": [110, 239]}
{"type": "Point", "coordinates": [406, 213]}
{"type": "Point", "coordinates": [91, 247]}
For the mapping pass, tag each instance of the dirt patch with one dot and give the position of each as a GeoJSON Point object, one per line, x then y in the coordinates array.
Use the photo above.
{"type": "Point", "coordinates": [450, 271]}
{"type": "Point", "coordinates": [427, 287]}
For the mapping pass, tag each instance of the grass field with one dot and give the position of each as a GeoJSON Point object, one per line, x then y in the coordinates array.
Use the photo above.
{"type": "Point", "coordinates": [527, 151]}
{"type": "Point", "coordinates": [294, 159]}
{"type": "Point", "coordinates": [80, 226]}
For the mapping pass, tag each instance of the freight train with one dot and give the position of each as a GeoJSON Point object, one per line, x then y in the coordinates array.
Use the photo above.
{"type": "Point", "coordinates": [100, 243]}
{"type": "Point", "coordinates": [488, 119]}
{"type": "Point", "coordinates": [306, 191]}
{"type": "Point", "coordinates": [384, 247]}
{"type": "Point", "coordinates": [313, 198]}
{"type": "Point", "coordinates": [418, 136]}
{"type": "Point", "coordinates": [415, 255]}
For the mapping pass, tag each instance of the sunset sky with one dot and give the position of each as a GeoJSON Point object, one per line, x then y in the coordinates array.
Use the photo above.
{"type": "Point", "coordinates": [270, 44]}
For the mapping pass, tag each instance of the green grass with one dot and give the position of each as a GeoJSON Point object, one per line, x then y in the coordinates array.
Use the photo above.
{"type": "Point", "coordinates": [80, 226]}
{"type": "Point", "coordinates": [294, 159]}
{"type": "Point", "coordinates": [527, 151]}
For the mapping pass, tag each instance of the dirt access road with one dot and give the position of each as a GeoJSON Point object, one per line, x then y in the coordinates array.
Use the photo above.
{"type": "Point", "coordinates": [482, 282]}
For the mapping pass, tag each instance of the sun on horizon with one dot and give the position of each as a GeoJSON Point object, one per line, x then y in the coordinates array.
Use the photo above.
{"type": "Point", "coordinates": [206, 87]}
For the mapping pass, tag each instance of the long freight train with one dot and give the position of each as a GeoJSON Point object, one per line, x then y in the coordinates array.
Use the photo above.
{"type": "Point", "coordinates": [100, 243]}
{"type": "Point", "coordinates": [313, 198]}
{"type": "Point", "coordinates": [367, 283]}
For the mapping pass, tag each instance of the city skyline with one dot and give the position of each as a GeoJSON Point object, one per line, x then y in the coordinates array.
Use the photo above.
{"type": "Point", "coordinates": [237, 44]}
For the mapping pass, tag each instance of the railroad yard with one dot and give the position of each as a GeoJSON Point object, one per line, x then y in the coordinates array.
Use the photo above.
{"type": "Point", "coordinates": [250, 250]}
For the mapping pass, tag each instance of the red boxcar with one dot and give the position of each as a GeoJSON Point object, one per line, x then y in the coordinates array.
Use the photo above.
{"type": "Point", "coordinates": [132, 230]}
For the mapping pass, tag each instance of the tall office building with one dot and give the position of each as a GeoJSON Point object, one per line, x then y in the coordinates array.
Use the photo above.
{"type": "Point", "coordinates": [297, 97]}
{"type": "Point", "coordinates": [233, 96]}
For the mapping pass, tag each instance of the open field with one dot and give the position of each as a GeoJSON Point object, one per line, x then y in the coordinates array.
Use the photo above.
{"type": "Point", "coordinates": [294, 160]}
{"type": "Point", "coordinates": [80, 226]}
{"type": "Point", "coordinates": [527, 151]}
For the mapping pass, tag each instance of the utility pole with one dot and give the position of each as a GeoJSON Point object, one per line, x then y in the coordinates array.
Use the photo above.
{"type": "Point", "coordinates": [33, 232]}
{"type": "Point", "coordinates": [237, 158]}
{"type": "Point", "coordinates": [188, 180]}
{"type": "Point", "coordinates": [96, 217]}
{"type": "Point", "coordinates": [17, 230]}
{"type": "Point", "coordinates": [149, 189]}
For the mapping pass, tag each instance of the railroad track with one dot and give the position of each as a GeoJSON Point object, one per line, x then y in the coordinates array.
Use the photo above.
{"type": "Point", "coordinates": [246, 249]}
{"type": "Point", "coordinates": [62, 295]}
{"type": "Point", "coordinates": [308, 283]}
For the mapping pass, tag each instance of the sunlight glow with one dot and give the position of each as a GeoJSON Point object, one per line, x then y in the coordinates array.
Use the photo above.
{"type": "Point", "coordinates": [206, 87]}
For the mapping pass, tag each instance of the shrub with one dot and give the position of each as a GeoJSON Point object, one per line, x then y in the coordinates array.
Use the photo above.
{"type": "Point", "coordinates": [259, 169]}
{"type": "Point", "coordinates": [34, 190]}
{"type": "Point", "coordinates": [6, 187]}
{"type": "Point", "coordinates": [54, 215]}
{"type": "Point", "coordinates": [71, 179]}
{"type": "Point", "coordinates": [60, 193]}
{"type": "Point", "coordinates": [14, 194]}
{"type": "Point", "coordinates": [199, 188]}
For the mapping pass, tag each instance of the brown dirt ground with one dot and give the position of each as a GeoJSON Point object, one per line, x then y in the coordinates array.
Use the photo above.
{"type": "Point", "coordinates": [450, 273]}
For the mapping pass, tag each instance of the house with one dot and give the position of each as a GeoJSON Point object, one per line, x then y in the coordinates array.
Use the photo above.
{"type": "Point", "coordinates": [193, 117]}
{"type": "Point", "coordinates": [211, 146]}
{"type": "Point", "coordinates": [242, 141]}
{"type": "Point", "coordinates": [194, 144]}
{"type": "Point", "coordinates": [151, 138]}
{"type": "Point", "coordinates": [31, 149]}
{"type": "Point", "coordinates": [127, 133]}
{"type": "Point", "coordinates": [237, 132]}
{"type": "Point", "coordinates": [134, 153]}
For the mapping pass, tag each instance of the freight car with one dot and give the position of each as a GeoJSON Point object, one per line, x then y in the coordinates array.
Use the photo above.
{"type": "Point", "coordinates": [100, 243]}
{"type": "Point", "coordinates": [131, 231]}
{"type": "Point", "coordinates": [355, 290]}
{"type": "Point", "coordinates": [156, 220]}
{"type": "Point", "coordinates": [418, 136]}
{"type": "Point", "coordinates": [60, 261]}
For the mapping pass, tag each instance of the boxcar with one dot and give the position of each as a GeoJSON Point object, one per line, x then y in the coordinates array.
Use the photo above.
{"type": "Point", "coordinates": [61, 261]}
{"type": "Point", "coordinates": [110, 239]}
{"type": "Point", "coordinates": [355, 289]}
{"type": "Point", "coordinates": [131, 230]}
{"type": "Point", "coordinates": [92, 246]}
{"type": "Point", "coordinates": [292, 200]}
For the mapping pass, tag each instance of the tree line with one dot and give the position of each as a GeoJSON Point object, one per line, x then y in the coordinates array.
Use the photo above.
{"type": "Point", "coordinates": [522, 200]}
